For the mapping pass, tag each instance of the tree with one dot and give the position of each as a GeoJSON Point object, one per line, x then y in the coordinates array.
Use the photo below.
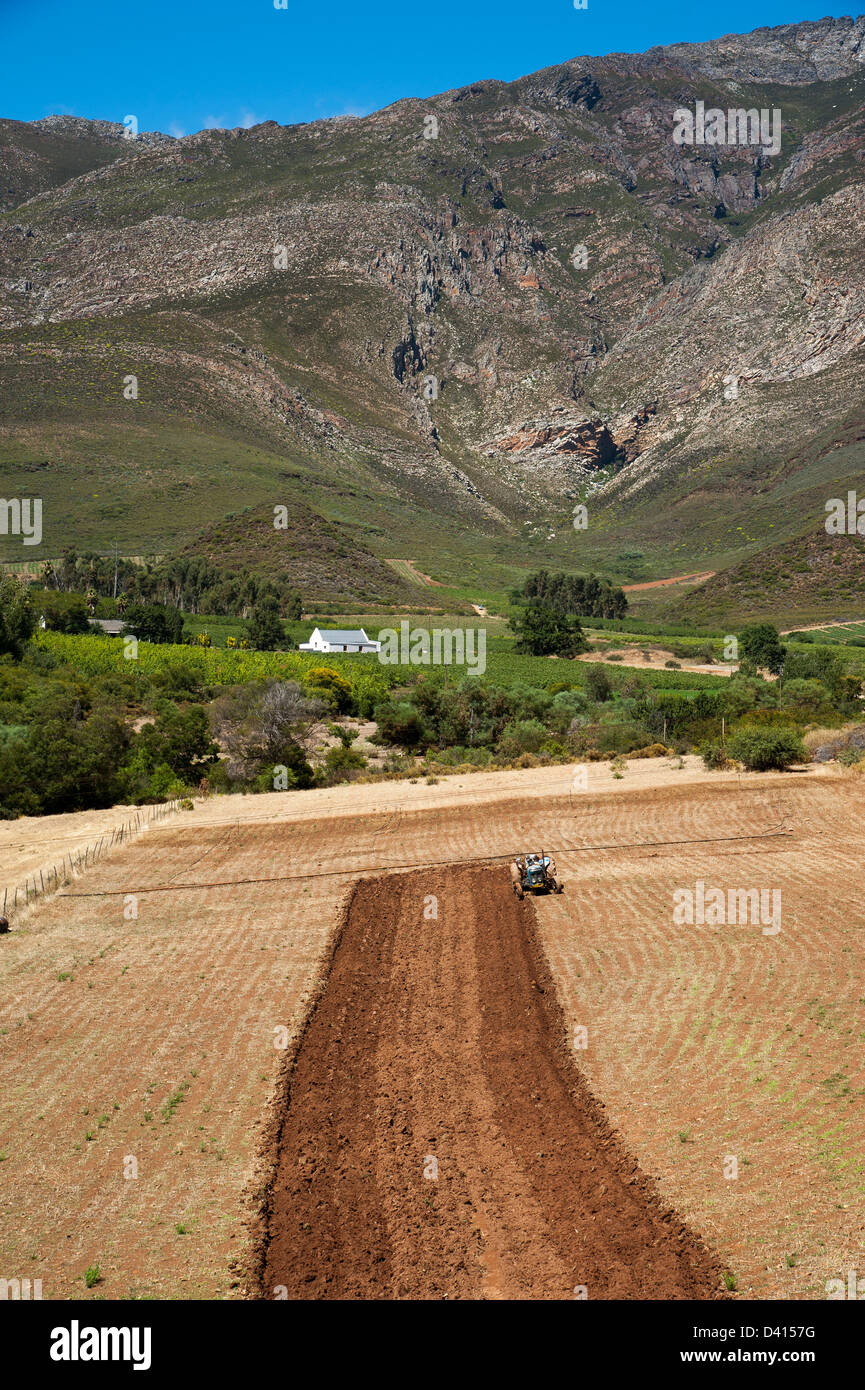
{"type": "Point", "coordinates": [68, 761]}
{"type": "Point", "coordinates": [584, 595]}
{"type": "Point", "coordinates": [181, 739]}
{"type": "Point", "coordinates": [264, 631]}
{"type": "Point", "coordinates": [153, 622]}
{"type": "Point", "coordinates": [17, 619]}
{"type": "Point", "coordinates": [293, 606]}
{"type": "Point", "coordinates": [598, 685]}
{"type": "Point", "coordinates": [259, 725]}
{"type": "Point", "coordinates": [761, 649]}
{"type": "Point", "coordinates": [545, 631]}
{"type": "Point", "coordinates": [64, 612]}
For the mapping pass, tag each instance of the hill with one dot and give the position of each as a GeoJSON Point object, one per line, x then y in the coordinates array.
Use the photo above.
{"type": "Point", "coordinates": [449, 342]}
{"type": "Point", "coordinates": [324, 562]}
{"type": "Point", "coordinates": [815, 576]}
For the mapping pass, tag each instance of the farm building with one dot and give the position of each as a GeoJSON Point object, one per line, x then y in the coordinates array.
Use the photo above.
{"type": "Point", "coordinates": [336, 640]}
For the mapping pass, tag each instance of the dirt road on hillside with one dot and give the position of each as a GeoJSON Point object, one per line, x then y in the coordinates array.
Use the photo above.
{"type": "Point", "coordinates": [439, 1142]}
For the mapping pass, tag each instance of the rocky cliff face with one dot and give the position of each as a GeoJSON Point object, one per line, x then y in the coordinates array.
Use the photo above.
{"type": "Point", "coordinates": [500, 292]}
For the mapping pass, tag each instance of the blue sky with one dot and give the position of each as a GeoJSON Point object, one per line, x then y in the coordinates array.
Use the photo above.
{"type": "Point", "coordinates": [180, 65]}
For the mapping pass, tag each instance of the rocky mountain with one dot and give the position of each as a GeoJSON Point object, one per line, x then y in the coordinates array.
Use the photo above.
{"type": "Point", "coordinates": [450, 322]}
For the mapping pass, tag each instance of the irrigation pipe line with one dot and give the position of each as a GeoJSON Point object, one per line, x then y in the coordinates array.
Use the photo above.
{"type": "Point", "coordinates": [430, 864]}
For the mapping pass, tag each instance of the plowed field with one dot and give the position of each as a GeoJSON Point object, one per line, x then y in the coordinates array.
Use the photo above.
{"type": "Point", "coordinates": [439, 1142]}
{"type": "Point", "coordinates": [153, 1052]}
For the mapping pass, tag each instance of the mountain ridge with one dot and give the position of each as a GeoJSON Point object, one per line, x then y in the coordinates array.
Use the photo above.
{"type": "Point", "coordinates": [404, 322]}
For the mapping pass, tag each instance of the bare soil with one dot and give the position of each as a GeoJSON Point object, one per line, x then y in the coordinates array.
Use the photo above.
{"type": "Point", "coordinates": [655, 659]}
{"type": "Point", "coordinates": [438, 1140]}
{"type": "Point", "coordinates": [696, 578]}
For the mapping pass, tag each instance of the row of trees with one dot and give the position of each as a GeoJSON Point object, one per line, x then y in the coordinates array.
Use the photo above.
{"type": "Point", "coordinates": [21, 607]}
{"type": "Point", "coordinates": [190, 583]}
{"type": "Point", "coordinates": [584, 596]}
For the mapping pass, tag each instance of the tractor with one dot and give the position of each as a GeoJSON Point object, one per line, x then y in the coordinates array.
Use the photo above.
{"type": "Point", "coordinates": [534, 873]}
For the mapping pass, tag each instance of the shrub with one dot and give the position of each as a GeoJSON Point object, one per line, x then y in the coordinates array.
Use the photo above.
{"type": "Point", "coordinates": [763, 749]}
{"type": "Point", "coordinates": [522, 736]}
{"type": "Point", "coordinates": [598, 685]}
{"type": "Point", "coordinates": [326, 683]}
{"type": "Point", "coordinates": [714, 756]}
{"type": "Point", "coordinates": [342, 763]}
{"type": "Point", "coordinates": [401, 723]}
{"type": "Point", "coordinates": [653, 750]}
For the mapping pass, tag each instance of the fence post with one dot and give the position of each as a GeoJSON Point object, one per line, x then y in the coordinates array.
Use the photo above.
{"type": "Point", "coordinates": [41, 880]}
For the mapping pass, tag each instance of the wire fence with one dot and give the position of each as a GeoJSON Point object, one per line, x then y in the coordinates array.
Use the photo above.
{"type": "Point", "coordinates": [49, 879]}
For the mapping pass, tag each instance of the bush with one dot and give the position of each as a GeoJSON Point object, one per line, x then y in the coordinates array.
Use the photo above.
{"type": "Point", "coordinates": [522, 736]}
{"type": "Point", "coordinates": [653, 750]}
{"type": "Point", "coordinates": [401, 723]}
{"type": "Point", "coordinates": [763, 749]}
{"type": "Point", "coordinates": [459, 756]}
{"type": "Point", "coordinates": [342, 763]}
{"type": "Point", "coordinates": [327, 684]}
{"type": "Point", "coordinates": [598, 685]}
{"type": "Point", "coordinates": [714, 756]}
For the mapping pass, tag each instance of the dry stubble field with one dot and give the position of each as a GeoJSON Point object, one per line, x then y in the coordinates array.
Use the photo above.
{"type": "Point", "coordinates": [155, 1051]}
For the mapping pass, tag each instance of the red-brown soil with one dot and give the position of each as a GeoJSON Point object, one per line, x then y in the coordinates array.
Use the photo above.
{"type": "Point", "coordinates": [696, 578]}
{"type": "Point", "coordinates": [438, 1040]}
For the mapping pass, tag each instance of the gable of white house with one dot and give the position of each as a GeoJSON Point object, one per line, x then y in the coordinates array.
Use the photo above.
{"type": "Point", "coordinates": [339, 640]}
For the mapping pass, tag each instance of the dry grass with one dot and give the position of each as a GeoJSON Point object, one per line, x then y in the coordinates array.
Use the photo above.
{"type": "Point", "coordinates": [158, 1043]}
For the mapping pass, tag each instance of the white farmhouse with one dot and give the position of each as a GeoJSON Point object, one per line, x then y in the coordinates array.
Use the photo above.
{"type": "Point", "coordinates": [335, 640]}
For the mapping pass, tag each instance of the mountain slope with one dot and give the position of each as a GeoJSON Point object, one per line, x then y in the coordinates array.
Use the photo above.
{"type": "Point", "coordinates": [401, 330]}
